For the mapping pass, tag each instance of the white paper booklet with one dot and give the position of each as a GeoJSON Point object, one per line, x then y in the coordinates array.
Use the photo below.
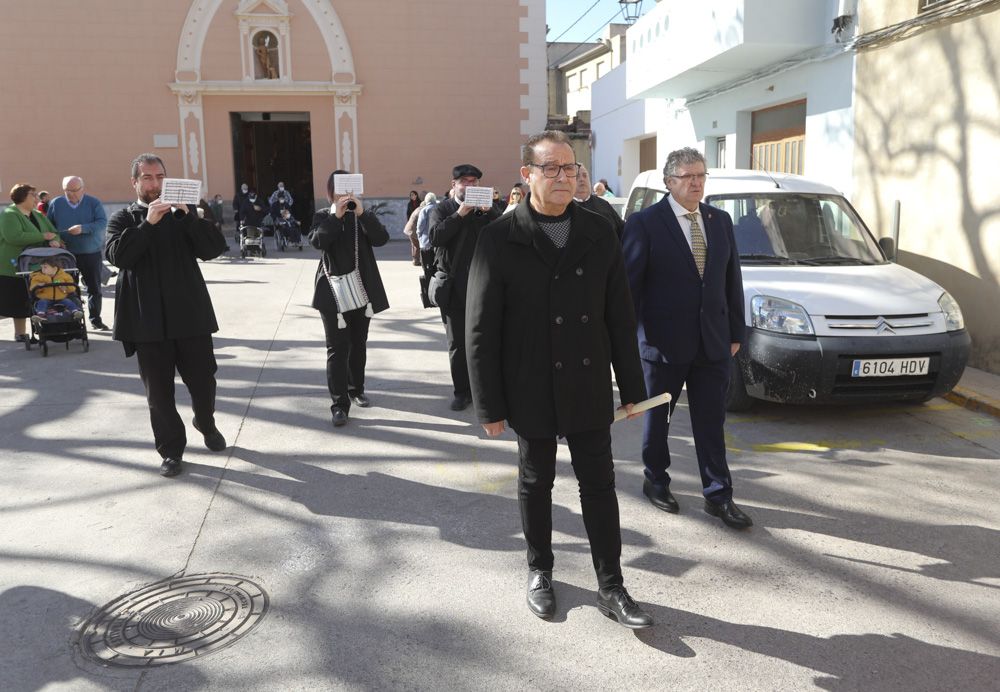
{"type": "Point", "coordinates": [180, 191]}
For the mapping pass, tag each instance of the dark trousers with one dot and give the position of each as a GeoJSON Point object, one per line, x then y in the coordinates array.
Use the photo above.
{"type": "Point", "coordinates": [591, 457]}
{"type": "Point", "coordinates": [454, 328]}
{"type": "Point", "coordinates": [89, 265]}
{"type": "Point", "coordinates": [194, 359]}
{"type": "Point", "coordinates": [346, 355]}
{"type": "Point", "coordinates": [706, 394]}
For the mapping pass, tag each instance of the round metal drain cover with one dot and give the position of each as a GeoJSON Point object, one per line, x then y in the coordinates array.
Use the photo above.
{"type": "Point", "coordinates": [173, 620]}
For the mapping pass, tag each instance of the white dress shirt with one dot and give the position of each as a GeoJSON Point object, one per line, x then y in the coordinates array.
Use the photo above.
{"type": "Point", "coordinates": [685, 222]}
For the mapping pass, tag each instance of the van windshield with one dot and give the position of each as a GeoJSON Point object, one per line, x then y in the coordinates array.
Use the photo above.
{"type": "Point", "coordinates": [798, 228]}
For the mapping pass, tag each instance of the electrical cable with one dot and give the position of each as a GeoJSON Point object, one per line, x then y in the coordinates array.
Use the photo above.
{"type": "Point", "coordinates": [598, 2]}
{"type": "Point", "coordinates": [586, 40]}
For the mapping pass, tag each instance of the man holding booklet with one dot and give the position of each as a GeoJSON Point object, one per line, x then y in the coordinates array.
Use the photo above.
{"type": "Point", "coordinates": [549, 314]}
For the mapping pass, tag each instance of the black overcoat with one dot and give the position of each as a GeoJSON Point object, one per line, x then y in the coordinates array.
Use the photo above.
{"type": "Point", "coordinates": [544, 327]}
{"type": "Point", "coordinates": [453, 238]}
{"type": "Point", "coordinates": [335, 237]}
{"type": "Point", "coordinates": [160, 292]}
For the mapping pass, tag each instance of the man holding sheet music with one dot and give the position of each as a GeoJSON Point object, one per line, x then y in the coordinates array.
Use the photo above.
{"type": "Point", "coordinates": [549, 315]}
{"type": "Point", "coordinates": [163, 312]}
{"type": "Point", "coordinates": [454, 228]}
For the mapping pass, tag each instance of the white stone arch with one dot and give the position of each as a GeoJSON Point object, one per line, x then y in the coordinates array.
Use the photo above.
{"type": "Point", "coordinates": [189, 86]}
{"type": "Point", "coordinates": [202, 12]}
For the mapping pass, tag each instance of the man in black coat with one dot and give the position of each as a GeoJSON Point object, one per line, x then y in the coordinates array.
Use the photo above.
{"type": "Point", "coordinates": [684, 272]}
{"type": "Point", "coordinates": [454, 229]}
{"type": "Point", "coordinates": [549, 313]}
{"type": "Point", "coordinates": [588, 200]}
{"type": "Point", "coordinates": [163, 312]}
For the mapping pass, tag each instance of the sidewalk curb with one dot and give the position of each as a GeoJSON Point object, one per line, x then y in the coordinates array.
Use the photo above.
{"type": "Point", "coordinates": [973, 401]}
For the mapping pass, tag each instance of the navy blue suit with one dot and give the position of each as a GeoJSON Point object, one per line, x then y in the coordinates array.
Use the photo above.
{"type": "Point", "coordinates": [686, 326]}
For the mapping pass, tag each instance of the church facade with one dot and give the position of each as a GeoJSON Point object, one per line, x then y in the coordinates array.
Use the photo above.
{"type": "Point", "coordinates": [262, 91]}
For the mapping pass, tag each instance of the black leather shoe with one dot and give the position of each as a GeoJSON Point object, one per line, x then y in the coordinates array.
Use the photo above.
{"type": "Point", "coordinates": [731, 515]}
{"type": "Point", "coordinates": [460, 403]}
{"type": "Point", "coordinates": [660, 496]}
{"type": "Point", "coordinates": [339, 417]}
{"type": "Point", "coordinates": [99, 325]}
{"type": "Point", "coordinates": [170, 467]}
{"type": "Point", "coordinates": [361, 400]}
{"type": "Point", "coordinates": [541, 596]}
{"type": "Point", "coordinates": [213, 438]}
{"type": "Point", "coordinates": [618, 605]}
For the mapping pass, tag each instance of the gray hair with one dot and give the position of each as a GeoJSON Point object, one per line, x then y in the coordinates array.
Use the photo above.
{"type": "Point", "coordinates": [682, 157]}
{"type": "Point", "coordinates": [430, 198]}
{"type": "Point", "coordinates": [145, 158]}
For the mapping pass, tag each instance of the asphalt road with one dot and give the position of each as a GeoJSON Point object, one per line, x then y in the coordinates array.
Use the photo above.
{"type": "Point", "coordinates": [390, 550]}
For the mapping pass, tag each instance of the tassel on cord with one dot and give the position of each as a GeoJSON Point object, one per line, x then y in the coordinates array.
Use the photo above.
{"type": "Point", "coordinates": [368, 311]}
{"type": "Point", "coordinates": [341, 324]}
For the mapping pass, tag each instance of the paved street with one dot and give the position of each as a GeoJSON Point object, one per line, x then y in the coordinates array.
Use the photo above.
{"type": "Point", "coordinates": [391, 550]}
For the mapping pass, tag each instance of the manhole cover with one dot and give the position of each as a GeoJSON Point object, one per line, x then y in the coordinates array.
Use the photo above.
{"type": "Point", "coordinates": [173, 620]}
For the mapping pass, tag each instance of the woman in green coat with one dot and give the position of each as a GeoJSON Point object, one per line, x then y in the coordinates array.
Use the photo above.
{"type": "Point", "coordinates": [21, 226]}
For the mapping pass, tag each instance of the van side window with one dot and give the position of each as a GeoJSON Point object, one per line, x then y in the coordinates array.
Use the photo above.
{"type": "Point", "coordinates": [641, 198]}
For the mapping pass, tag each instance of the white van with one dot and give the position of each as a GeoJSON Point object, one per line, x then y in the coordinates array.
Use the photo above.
{"type": "Point", "coordinates": [829, 317]}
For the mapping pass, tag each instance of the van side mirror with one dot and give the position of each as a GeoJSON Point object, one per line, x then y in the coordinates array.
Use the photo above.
{"type": "Point", "coordinates": [888, 247]}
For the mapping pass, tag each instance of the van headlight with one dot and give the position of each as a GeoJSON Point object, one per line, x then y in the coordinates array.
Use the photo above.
{"type": "Point", "coordinates": [782, 316]}
{"type": "Point", "coordinates": [953, 320]}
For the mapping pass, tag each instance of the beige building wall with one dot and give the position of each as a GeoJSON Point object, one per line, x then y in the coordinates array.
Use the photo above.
{"type": "Point", "coordinates": [403, 91]}
{"type": "Point", "coordinates": [928, 134]}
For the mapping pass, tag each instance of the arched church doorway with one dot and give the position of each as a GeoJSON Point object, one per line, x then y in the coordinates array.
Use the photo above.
{"type": "Point", "coordinates": [269, 148]}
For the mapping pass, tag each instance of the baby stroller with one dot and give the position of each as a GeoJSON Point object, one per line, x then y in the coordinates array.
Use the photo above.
{"type": "Point", "coordinates": [58, 323]}
{"type": "Point", "coordinates": [252, 242]}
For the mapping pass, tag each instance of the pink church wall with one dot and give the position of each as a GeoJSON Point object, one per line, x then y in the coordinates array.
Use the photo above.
{"type": "Point", "coordinates": [87, 89]}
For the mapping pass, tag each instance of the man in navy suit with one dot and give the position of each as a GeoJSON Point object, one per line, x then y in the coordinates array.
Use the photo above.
{"type": "Point", "coordinates": [684, 271]}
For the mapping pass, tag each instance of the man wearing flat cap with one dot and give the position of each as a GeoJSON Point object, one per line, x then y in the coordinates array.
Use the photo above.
{"type": "Point", "coordinates": [454, 229]}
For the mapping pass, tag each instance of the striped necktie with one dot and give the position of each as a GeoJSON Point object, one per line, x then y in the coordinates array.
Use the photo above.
{"type": "Point", "coordinates": [697, 243]}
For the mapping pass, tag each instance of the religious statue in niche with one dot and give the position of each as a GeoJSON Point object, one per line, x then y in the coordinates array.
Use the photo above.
{"type": "Point", "coordinates": [265, 47]}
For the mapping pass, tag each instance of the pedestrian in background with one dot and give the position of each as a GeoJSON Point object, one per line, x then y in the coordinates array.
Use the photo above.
{"type": "Point", "coordinates": [423, 231]}
{"type": "Point", "coordinates": [43, 202]}
{"type": "Point", "coordinates": [596, 204]}
{"type": "Point", "coordinates": [82, 224]}
{"type": "Point", "coordinates": [454, 229]}
{"type": "Point", "coordinates": [549, 315]}
{"type": "Point", "coordinates": [21, 226]}
{"type": "Point", "coordinates": [346, 234]}
{"type": "Point", "coordinates": [163, 311]}
{"type": "Point", "coordinates": [412, 203]}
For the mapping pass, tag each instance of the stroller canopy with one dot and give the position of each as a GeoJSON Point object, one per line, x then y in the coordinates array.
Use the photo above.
{"type": "Point", "coordinates": [30, 258]}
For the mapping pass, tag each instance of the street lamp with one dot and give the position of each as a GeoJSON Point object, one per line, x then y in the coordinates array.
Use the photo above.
{"type": "Point", "coordinates": [630, 10]}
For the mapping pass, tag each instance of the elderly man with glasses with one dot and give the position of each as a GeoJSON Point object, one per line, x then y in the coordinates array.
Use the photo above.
{"type": "Point", "coordinates": [82, 224]}
{"type": "Point", "coordinates": [684, 271]}
{"type": "Point", "coordinates": [549, 315]}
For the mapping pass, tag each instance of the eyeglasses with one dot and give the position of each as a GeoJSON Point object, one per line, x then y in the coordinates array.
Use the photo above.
{"type": "Point", "coordinates": [700, 177]}
{"type": "Point", "coordinates": [551, 170]}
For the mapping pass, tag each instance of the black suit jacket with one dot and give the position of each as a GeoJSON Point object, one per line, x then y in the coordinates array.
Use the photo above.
{"type": "Point", "coordinates": [677, 310]}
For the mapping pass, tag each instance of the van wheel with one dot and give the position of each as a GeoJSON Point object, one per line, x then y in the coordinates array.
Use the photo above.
{"type": "Point", "coordinates": [737, 399]}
